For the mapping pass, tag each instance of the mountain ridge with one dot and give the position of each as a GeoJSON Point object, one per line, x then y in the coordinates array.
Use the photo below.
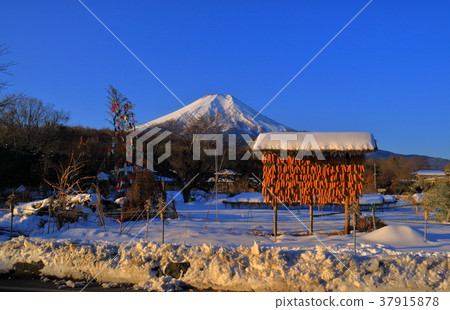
{"type": "Point", "coordinates": [238, 116]}
{"type": "Point", "coordinates": [434, 162]}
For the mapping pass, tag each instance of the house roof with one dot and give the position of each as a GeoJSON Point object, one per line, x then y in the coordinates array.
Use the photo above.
{"type": "Point", "coordinates": [220, 180]}
{"type": "Point", "coordinates": [429, 172]}
{"type": "Point", "coordinates": [325, 141]}
{"type": "Point", "coordinates": [227, 172]}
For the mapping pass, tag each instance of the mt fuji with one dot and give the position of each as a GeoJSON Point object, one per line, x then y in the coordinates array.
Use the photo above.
{"type": "Point", "coordinates": [237, 116]}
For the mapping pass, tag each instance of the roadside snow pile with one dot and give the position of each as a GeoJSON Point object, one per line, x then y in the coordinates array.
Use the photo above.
{"type": "Point", "coordinates": [176, 267]}
{"type": "Point", "coordinates": [396, 235]}
{"type": "Point", "coordinates": [246, 198]}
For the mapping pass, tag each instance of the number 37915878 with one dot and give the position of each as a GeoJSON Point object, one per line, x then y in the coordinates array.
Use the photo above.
{"type": "Point", "coordinates": [409, 301]}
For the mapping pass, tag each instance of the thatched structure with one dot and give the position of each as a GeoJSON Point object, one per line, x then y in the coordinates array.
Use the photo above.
{"type": "Point", "coordinates": [313, 168]}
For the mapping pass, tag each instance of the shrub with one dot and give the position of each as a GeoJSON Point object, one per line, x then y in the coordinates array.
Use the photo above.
{"type": "Point", "coordinates": [365, 223]}
{"type": "Point", "coordinates": [143, 188]}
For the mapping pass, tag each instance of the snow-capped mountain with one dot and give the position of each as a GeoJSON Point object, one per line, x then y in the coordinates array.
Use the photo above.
{"type": "Point", "coordinates": [236, 115]}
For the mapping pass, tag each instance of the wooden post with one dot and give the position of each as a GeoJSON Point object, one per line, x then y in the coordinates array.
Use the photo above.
{"type": "Point", "coordinates": [121, 228]}
{"type": "Point", "coordinates": [50, 206]}
{"type": "Point", "coordinates": [373, 218]}
{"type": "Point", "coordinates": [146, 224]}
{"type": "Point", "coordinates": [425, 228]}
{"type": "Point", "coordinates": [11, 202]}
{"type": "Point", "coordinates": [311, 215]}
{"type": "Point", "coordinates": [275, 221]}
{"type": "Point", "coordinates": [354, 231]}
{"type": "Point", "coordinates": [346, 216]}
{"type": "Point", "coordinates": [11, 208]}
{"type": "Point", "coordinates": [162, 223]}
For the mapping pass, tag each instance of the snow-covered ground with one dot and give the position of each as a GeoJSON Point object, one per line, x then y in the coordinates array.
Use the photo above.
{"type": "Point", "coordinates": [219, 242]}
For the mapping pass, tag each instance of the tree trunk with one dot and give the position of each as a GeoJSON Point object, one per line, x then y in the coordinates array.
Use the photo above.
{"type": "Point", "coordinates": [425, 228]}
{"type": "Point", "coordinates": [147, 223]}
{"type": "Point", "coordinates": [346, 217]}
{"type": "Point", "coordinates": [12, 221]}
{"type": "Point", "coordinates": [311, 219]}
{"type": "Point", "coordinates": [186, 192]}
{"type": "Point", "coordinates": [162, 223]}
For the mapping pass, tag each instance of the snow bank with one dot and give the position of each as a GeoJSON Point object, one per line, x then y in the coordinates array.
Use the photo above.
{"type": "Point", "coordinates": [247, 198]}
{"type": "Point", "coordinates": [396, 235]}
{"type": "Point", "coordinates": [239, 268]}
{"type": "Point", "coordinates": [24, 224]}
{"type": "Point", "coordinates": [25, 208]}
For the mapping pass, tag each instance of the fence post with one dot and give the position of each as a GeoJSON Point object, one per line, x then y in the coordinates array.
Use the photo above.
{"type": "Point", "coordinates": [148, 206]}
{"type": "Point", "coordinates": [373, 207]}
{"type": "Point", "coordinates": [50, 206]}
{"type": "Point", "coordinates": [11, 202]}
{"type": "Point", "coordinates": [275, 221]}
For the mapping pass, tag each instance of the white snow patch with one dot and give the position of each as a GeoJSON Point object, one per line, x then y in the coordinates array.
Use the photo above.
{"type": "Point", "coordinates": [247, 198]}
{"type": "Point", "coordinates": [235, 269]}
{"type": "Point", "coordinates": [418, 197]}
{"type": "Point", "coordinates": [326, 141]}
{"type": "Point", "coordinates": [395, 235]}
{"type": "Point", "coordinates": [389, 198]}
{"type": "Point", "coordinates": [368, 199]}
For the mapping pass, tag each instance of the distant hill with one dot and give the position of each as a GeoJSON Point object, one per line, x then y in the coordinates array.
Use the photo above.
{"type": "Point", "coordinates": [434, 162]}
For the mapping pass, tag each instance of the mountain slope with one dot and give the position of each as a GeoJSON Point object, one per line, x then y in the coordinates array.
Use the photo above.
{"type": "Point", "coordinates": [237, 116]}
{"type": "Point", "coordinates": [434, 162]}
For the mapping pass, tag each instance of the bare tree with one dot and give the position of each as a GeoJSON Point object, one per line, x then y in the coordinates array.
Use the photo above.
{"type": "Point", "coordinates": [4, 66]}
{"type": "Point", "coordinates": [69, 180]}
{"type": "Point", "coordinates": [28, 121]}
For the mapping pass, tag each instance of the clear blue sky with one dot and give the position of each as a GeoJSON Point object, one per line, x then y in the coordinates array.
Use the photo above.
{"type": "Point", "coordinates": [387, 73]}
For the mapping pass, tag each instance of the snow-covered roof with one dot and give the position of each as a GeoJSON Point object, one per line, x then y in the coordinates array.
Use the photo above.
{"type": "Point", "coordinates": [21, 189]}
{"type": "Point", "coordinates": [102, 176]}
{"type": "Point", "coordinates": [430, 172]}
{"type": "Point", "coordinates": [220, 180]}
{"type": "Point", "coordinates": [160, 178]}
{"type": "Point", "coordinates": [325, 141]}
{"type": "Point", "coordinates": [227, 172]}
{"type": "Point", "coordinates": [368, 199]}
{"type": "Point", "coordinates": [246, 198]}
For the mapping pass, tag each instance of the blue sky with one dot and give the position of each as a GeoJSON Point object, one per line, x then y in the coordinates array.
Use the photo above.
{"type": "Point", "coordinates": [387, 73]}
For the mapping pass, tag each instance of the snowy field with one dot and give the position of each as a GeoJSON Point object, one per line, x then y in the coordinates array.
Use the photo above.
{"type": "Point", "coordinates": [232, 249]}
